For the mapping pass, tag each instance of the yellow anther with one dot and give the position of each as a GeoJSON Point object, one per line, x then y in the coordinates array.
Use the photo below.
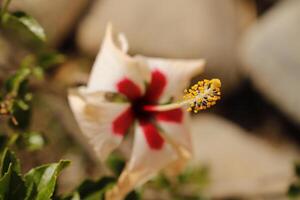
{"type": "Point", "coordinates": [203, 94]}
{"type": "Point", "coordinates": [216, 83]}
{"type": "Point", "coordinates": [194, 87]}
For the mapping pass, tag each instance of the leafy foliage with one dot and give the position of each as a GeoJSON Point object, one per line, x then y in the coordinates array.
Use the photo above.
{"type": "Point", "coordinates": [15, 96]}
{"type": "Point", "coordinates": [15, 104]}
{"type": "Point", "coordinates": [95, 190]}
{"type": "Point", "coordinates": [294, 191]}
{"type": "Point", "coordinates": [115, 163]}
{"type": "Point", "coordinates": [196, 177]}
{"type": "Point", "coordinates": [32, 140]}
{"type": "Point", "coordinates": [12, 186]}
{"type": "Point", "coordinates": [91, 190]}
{"type": "Point", "coordinates": [38, 184]}
{"type": "Point", "coordinates": [22, 25]}
{"type": "Point", "coordinates": [41, 181]}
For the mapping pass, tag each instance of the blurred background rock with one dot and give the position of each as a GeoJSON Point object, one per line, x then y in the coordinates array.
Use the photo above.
{"type": "Point", "coordinates": [249, 141]}
{"type": "Point", "coordinates": [176, 29]}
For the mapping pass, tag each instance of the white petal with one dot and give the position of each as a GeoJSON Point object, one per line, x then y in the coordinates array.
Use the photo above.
{"type": "Point", "coordinates": [95, 116]}
{"type": "Point", "coordinates": [178, 133]}
{"type": "Point", "coordinates": [145, 162]}
{"type": "Point", "coordinates": [113, 65]}
{"type": "Point", "coordinates": [178, 73]}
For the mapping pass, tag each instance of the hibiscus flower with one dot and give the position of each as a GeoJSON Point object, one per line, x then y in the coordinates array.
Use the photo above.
{"type": "Point", "coordinates": [140, 95]}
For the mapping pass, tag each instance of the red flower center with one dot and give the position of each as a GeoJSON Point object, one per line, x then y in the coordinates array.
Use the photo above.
{"type": "Point", "coordinates": [137, 108]}
{"type": "Point", "coordinates": [154, 91]}
{"type": "Point", "coordinates": [134, 94]}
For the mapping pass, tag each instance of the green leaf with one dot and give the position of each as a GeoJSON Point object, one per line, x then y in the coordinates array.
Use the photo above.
{"type": "Point", "coordinates": [76, 196]}
{"type": "Point", "coordinates": [16, 82]}
{"type": "Point", "coordinates": [21, 116]}
{"type": "Point", "coordinates": [34, 141]}
{"type": "Point", "coordinates": [7, 140]}
{"type": "Point", "coordinates": [12, 186]}
{"type": "Point", "coordinates": [38, 72]}
{"type": "Point", "coordinates": [24, 25]}
{"type": "Point", "coordinates": [9, 159]}
{"type": "Point", "coordinates": [22, 104]}
{"type": "Point", "coordinates": [115, 163]}
{"type": "Point", "coordinates": [12, 139]}
{"type": "Point", "coordinates": [95, 190]}
{"type": "Point", "coordinates": [294, 191]}
{"type": "Point", "coordinates": [90, 188]}
{"type": "Point", "coordinates": [3, 141]}
{"type": "Point", "coordinates": [41, 181]}
{"type": "Point", "coordinates": [48, 59]}
{"type": "Point", "coordinates": [194, 175]}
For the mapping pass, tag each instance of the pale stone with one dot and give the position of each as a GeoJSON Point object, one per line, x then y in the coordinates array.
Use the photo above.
{"type": "Point", "coordinates": [56, 16]}
{"type": "Point", "coordinates": [271, 50]}
{"type": "Point", "coordinates": [240, 164]}
{"type": "Point", "coordinates": [207, 29]}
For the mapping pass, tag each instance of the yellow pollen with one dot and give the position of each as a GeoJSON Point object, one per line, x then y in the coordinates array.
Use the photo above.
{"type": "Point", "coordinates": [203, 94]}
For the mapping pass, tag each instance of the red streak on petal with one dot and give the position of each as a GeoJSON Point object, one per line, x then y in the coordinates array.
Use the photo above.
{"type": "Point", "coordinates": [156, 86]}
{"type": "Point", "coordinates": [175, 115]}
{"type": "Point", "coordinates": [129, 89]}
{"type": "Point", "coordinates": [122, 123]}
{"type": "Point", "coordinates": [154, 140]}
{"type": "Point", "coordinates": [150, 108]}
